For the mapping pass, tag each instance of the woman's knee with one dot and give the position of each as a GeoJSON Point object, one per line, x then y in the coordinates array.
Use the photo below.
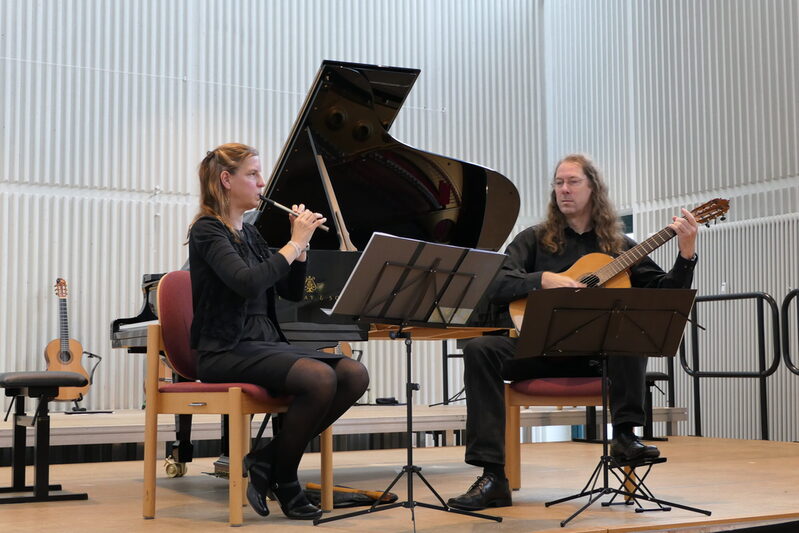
{"type": "Point", "coordinates": [310, 376]}
{"type": "Point", "coordinates": [352, 375]}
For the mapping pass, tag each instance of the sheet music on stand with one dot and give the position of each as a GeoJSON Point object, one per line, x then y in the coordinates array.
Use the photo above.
{"type": "Point", "coordinates": [401, 280]}
{"type": "Point", "coordinates": [415, 283]}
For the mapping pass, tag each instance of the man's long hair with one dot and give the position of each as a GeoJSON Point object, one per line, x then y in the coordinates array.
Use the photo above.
{"type": "Point", "coordinates": [214, 201]}
{"type": "Point", "coordinates": [606, 223]}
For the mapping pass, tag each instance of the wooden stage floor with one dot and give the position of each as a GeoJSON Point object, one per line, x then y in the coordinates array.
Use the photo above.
{"type": "Point", "coordinates": [741, 482]}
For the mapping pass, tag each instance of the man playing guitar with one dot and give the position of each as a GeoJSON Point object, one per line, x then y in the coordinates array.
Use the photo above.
{"type": "Point", "coordinates": [580, 220]}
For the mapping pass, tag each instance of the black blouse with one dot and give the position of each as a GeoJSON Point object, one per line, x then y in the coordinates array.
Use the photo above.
{"type": "Point", "coordinates": [233, 279]}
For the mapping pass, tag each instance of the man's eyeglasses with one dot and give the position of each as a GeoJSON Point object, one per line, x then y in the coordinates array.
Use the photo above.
{"type": "Point", "coordinates": [571, 182]}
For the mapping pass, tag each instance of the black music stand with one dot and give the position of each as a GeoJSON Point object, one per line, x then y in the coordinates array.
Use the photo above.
{"type": "Point", "coordinates": [406, 282]}
{"type": "Point", "coordinates": [608, 322]}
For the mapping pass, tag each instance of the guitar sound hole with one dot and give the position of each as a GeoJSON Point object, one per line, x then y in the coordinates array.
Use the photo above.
{"type": "Point", "coordinates": [64, 357]}
{"type": "Point", "coordinates": [590, 280]}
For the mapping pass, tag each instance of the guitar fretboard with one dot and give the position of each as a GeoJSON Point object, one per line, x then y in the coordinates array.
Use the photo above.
{"type": "Point", "coordinates": [635, 254]}
{"type": "Point", "coordinates": [63, 324]}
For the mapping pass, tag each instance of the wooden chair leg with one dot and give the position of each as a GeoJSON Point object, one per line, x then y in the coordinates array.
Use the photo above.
{"type": "Point", "coordinates": [151, 420]}
{"type": "Point", "coordinates": [235, 453]}
{"type": "Point", "coordinates": [326, 452]}
{"type": "Point", "coordinates": [512, 445]}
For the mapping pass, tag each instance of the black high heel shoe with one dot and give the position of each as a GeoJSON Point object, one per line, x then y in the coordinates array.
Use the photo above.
{"type": "Point", "coordinates": [293, 501]}
{"type": "Point", "coordinates": [258, 487]}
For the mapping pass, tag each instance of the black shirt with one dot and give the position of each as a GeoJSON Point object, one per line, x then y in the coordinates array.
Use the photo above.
{"type": "Point", "coordinates": [527, 260]}
{"type": "Point", "coordinates": [233, 278]}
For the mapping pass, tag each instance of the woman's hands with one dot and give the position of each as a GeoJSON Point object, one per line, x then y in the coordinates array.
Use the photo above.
{"type": "Point", "coordinates": [302, 227]}
{"type": "Point", "coordinates": [304, 224]}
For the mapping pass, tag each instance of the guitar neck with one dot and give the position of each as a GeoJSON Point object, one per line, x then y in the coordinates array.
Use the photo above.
{"type": "Point", "coordinates": [635, 254]}
{"type": "Point", "coordinates": [63, 323]}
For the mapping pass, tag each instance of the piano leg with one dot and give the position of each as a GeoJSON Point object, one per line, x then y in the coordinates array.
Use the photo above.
{"type": "Point", "coordinates": [222, 465]}
{"type": "Point", "coordinates": [182, 448]}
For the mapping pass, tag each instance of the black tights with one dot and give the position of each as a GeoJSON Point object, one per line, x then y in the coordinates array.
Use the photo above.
{"type": "Point", "coordinates": [322, 392]}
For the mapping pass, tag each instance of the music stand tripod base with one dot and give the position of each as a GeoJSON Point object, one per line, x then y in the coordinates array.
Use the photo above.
{"type": "Point", "coordinates": [409, 470]}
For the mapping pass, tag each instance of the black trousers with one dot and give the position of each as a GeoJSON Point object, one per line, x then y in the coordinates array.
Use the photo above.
{"type": "Point", "coordinates": [489, 361]}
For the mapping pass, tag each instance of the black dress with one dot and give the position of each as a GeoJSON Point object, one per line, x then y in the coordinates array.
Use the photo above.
{"type": "Point", "coordinates": [259, 356]}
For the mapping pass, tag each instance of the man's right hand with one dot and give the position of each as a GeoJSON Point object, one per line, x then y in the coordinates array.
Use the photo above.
{"type": "Point", "coordinates": [550, 280]}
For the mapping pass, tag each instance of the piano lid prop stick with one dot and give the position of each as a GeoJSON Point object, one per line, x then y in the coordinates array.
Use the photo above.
{"type": "Point", "coordinates": [286, 209]}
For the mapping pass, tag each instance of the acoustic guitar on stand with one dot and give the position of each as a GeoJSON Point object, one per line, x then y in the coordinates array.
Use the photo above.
{"type": "Point", "coordinates": [63, 353]}
{"type": "Point", "coordinates": [602, 270]}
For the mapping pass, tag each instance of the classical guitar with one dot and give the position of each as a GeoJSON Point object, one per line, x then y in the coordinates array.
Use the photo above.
{"type": "Point", "coordinates": [64, 353]}
{"type": "Point", "coordinates": [602, 270]}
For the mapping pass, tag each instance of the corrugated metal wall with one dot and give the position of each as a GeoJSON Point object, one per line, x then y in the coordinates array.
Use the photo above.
{"type": "Point", "coordinates": [106, 108]}
{"type": "Point", "coordinates": [680, 102]}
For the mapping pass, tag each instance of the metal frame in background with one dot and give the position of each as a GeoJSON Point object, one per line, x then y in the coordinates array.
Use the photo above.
{"type": "Point", "coordinates": [762, 374]}
{"type": "Point", "coordinates": [786, 337]}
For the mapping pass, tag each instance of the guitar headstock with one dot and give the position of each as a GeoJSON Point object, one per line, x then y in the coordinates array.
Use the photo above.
{"type": "Point", "coordinates": [715, 208]}
{"type": "Point", "coordinates": [61, 288]}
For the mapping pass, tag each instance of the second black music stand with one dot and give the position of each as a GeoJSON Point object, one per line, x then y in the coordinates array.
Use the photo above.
{"type": "Point", "coordinates": [604, 323]}
{"type": "Point", "coordinates": [406, 282]}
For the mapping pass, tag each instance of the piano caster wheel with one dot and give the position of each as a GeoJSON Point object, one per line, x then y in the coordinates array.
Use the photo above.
{"type": "Point", "coordinates": [173, 468]}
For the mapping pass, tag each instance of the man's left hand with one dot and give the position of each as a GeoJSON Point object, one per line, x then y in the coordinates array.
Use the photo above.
{"type": "Point", "coordinates": [686, 227]}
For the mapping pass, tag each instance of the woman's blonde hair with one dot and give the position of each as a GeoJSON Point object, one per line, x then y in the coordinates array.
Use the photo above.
{"type": "Point", "coordinates": [214, 201]}
{"type": "Point", "coordinates": [607, 224]}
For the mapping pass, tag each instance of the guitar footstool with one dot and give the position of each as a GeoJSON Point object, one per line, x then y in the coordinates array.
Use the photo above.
{"type": "Point", "coordinates": [44, 386]}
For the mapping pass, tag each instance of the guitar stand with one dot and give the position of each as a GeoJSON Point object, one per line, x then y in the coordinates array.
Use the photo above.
{"type": "Point", "coordinates": [78, 410]}
{"type": "Point", "coordinates": [409, 470]}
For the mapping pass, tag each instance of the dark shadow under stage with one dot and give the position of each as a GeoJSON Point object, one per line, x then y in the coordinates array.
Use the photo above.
{"type": "Point", "coordinates": [743, 483]}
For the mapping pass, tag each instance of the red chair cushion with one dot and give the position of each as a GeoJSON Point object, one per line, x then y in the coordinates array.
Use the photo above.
{"type": "Point", "coordinates": [559, 386]}
{"type": "Point", "coordinates": [258, 393]}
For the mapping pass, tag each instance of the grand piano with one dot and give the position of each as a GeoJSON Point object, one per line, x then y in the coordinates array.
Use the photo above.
{"type": "Point", "coordinates": [341, 160]}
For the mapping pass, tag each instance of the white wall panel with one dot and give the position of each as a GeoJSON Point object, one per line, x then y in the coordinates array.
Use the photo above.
{"type": "Point", "coordinates": [715, 86]}
{"type": "Point", "coordinates": [587, 89]}
{"type": "Point", "coordinates": [107, 107]}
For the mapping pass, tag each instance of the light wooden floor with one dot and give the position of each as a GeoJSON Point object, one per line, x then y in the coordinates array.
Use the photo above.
{"type": "Point", "coordinates": [128, 425]}
{"type": "Point", "coordinates": [737, 480]}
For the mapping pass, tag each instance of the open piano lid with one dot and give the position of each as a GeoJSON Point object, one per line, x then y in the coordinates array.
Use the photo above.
{"type": "Point", "coordinates": [378, 183]}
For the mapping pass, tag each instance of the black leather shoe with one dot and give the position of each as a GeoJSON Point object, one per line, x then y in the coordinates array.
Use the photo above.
{"type": "Point", "coordinates": [258, 487]}
{"type": "Point", "coordinates": [293, 501]}
{"type": "Point", "coordinates": [488, 491]}
{"type": "Point", "coordinates": [628, 447]}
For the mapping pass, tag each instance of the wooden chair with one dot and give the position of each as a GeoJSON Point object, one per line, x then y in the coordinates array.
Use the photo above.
{"type": "Point", "coordinates": [541, 391]}
{"type": "Point", "coordinates": [237, 400]}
